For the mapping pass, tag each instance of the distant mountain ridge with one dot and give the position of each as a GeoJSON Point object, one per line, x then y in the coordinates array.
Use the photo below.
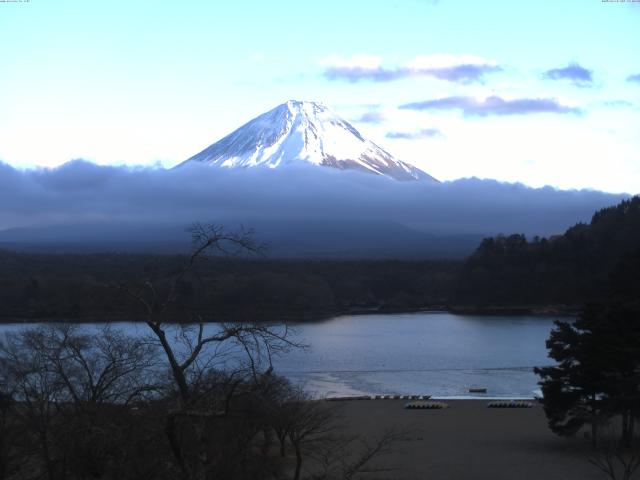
{"type": "Point", "coordinates": [298, 131]}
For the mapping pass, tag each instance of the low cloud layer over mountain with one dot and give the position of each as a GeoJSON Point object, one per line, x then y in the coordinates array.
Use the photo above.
{"type": "Point", "coordinates": [80, 192]}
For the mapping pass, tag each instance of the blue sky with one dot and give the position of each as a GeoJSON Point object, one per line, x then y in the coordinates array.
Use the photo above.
{"type": "Point", "coordinates": [539, 92]}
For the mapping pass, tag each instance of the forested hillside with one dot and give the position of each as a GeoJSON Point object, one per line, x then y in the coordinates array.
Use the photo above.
{"type": "Point", "coordinates": [566, 269]}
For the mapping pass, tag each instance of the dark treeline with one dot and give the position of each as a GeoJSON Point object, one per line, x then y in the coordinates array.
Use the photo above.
{"type": "Point", "coordinates": [77, 287]}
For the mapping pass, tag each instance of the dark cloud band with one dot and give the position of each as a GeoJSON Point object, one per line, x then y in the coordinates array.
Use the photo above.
{"type": "Point", "coordinates": [83, 192]}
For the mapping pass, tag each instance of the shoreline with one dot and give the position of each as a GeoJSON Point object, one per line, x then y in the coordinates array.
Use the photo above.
{"type": "Point", "coordinates": [379, 398]}
{"type": "Point", "coordinates": [542, 310]}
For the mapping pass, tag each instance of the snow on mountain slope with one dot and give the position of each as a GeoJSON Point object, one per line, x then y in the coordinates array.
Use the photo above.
{"type": "Point", "coordinates": [304, 131]}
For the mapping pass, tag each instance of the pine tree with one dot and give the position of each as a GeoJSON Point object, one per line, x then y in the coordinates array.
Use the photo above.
{"type": "Point", "coordinates": [598, 371]}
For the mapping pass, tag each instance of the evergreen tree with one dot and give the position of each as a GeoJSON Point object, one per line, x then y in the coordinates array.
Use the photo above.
{"type": "Point", "coordinates": [573, 390]}
{"type": "Point", "coordinates": [598, 371]}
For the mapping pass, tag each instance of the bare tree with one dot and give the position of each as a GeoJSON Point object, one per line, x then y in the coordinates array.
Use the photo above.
{"type": "Point", "coordinates": [106, 366]}
{"type": "Point", "coordinates": [618, 459]}
{"type": "Point", "coordinates": [194, 351]}
{"type": "Point", "coordinates": [38, 390]}
{"type": "Point", "coordinates": [310, 424]}
{"type": "Point", "coordinates": [10, 434]}
{"type": "Point", "coordinates": [345, 458]}
{"type": "Point", "coordinates": [313, 429]}
{"type": "Point", "coordinates": [66, 384]}
{"type": "Point", "coordinates": [259, 342]}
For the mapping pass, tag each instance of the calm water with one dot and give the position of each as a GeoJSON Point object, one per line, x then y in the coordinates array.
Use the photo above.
{"type": "Point", "coordinates": [422, 353]}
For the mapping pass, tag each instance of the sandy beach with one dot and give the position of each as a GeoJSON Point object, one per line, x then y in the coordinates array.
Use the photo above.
{"type": "Point", "coordinates": [469, 441]}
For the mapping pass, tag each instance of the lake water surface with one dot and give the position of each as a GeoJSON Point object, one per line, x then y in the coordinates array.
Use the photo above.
{"type": "Point", "coordinates": [440, 354]}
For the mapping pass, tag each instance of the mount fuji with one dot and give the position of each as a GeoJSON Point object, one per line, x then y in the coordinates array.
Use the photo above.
{"type": "Point", "coordinates": [304, 132]}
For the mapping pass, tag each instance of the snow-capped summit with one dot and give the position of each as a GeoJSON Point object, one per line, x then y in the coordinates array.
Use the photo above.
{"type": "Point", "coordinates": [304, 131]}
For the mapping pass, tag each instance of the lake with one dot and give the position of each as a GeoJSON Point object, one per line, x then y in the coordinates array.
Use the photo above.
{"type": "Point", "coordinates": [440, 354]}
